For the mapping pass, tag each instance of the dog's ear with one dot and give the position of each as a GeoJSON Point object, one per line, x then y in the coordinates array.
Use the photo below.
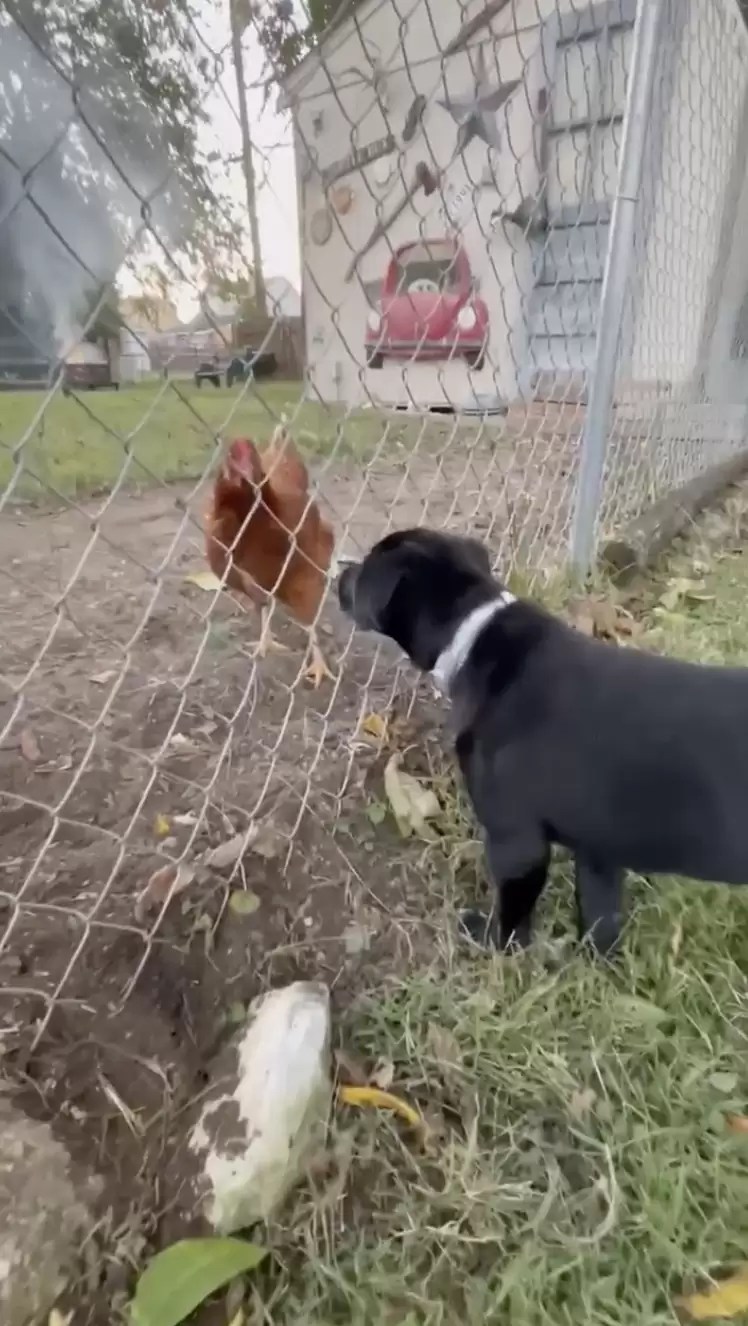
{"type": "Point", "coordinates": [381, 580]}
{"type": "Point", "coordinates": [476, 556]}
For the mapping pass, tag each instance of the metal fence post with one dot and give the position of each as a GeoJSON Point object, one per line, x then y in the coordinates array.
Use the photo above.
{"type": "Point", "coordinates": [615, 279]}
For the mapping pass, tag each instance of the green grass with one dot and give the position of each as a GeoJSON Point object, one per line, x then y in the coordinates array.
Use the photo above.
{"type": "Point", "coordinates": [75, 446]}
{"type": "Point", "coordinates": [583, 1172]}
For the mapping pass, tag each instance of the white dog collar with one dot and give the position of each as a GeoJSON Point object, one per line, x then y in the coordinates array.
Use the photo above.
{"type": "Point", "coordinates": [452, 658]}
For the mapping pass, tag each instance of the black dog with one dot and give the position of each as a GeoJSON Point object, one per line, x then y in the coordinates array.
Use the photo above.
{"type": "Point", "coordinates": [626, 759]}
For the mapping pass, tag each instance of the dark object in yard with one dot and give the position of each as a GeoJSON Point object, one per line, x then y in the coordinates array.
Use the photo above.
{"type": "Point", "coordinates": [628, 760]}
{"type": "Point", "coordinates": [260, 363]}
{"type": "Point", "coordinates": [208, 371]}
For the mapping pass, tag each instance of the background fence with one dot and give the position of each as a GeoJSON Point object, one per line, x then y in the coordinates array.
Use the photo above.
{"type": "Point", "coordinates": [522, 252]}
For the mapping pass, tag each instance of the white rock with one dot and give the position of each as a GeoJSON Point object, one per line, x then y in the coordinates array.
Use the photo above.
{"type": "Point", "coordinates": [256, 1132]}
{"type": "Point", "coordinates": [43, 1218]}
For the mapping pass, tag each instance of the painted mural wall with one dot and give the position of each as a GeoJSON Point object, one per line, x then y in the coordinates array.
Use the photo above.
{"type": "Point", "coordinates": [418, 158]}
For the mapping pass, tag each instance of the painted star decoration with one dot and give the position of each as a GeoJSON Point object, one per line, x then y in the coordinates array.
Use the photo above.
{"type": "Point", "coordinates": [475, 113]}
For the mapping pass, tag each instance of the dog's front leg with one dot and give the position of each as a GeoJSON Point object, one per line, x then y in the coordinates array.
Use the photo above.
{"type": "Point", "coordinates": [599, 894]}
{"type": "Point", "coordinates": [519, 873]}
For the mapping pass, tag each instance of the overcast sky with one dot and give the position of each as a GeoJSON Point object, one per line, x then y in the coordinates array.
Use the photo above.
{"type": "Point", "coordinates": [273, 155]}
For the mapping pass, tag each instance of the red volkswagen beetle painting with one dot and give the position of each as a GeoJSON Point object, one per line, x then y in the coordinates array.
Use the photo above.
{"type": "Point", "coordinates": [429, 308]}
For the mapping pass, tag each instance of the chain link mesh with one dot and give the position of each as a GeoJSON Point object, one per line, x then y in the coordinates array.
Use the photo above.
{"type": "Point", "coordinates": [456, 172]}
{"type": "Point", "coordinates": [680, 385]}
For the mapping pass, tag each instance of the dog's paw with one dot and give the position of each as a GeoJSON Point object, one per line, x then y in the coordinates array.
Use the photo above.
{"type": "Point", "coordinates": [477, 927]}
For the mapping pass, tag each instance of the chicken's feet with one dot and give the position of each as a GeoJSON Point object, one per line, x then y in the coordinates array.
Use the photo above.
{"type": "Point", "coordinates": [318, 669]}
{"type": "Point", "coordinates": [267, 643]}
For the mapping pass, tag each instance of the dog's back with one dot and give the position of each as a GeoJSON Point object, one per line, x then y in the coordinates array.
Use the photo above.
{"type": "Point", "coordinates": [643, 759]}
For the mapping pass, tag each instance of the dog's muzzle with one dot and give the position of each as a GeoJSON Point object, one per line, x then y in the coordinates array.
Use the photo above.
{"type": "Point", "coordinates": [347, 587]}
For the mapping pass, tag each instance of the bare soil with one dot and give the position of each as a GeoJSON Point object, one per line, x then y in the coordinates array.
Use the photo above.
{"type": "Point", "coordinates": [135, 726]}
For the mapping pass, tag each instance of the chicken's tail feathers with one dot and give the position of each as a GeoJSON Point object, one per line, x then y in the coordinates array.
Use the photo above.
{"type": "Point", "coordinates": [281, 460]}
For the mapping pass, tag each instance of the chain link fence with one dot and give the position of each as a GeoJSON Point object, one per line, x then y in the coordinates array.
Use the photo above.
{"type": "Point", "coordinates": [465, 237]}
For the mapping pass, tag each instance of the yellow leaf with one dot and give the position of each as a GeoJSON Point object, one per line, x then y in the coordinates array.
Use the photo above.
{"type": "Point", "coordinates": [161, 826]}
{"type": "Point", "coordinates": [56, 1318]}
{"type": "Point", "coordinates": [726, 1298]}
{"type": "Point", "coordinates": [374, 725]}
{"type": "Point", "coordinates": [204, 580]}
{"type": "Point", "coordinates": [412, 803]}
{"type": "Point", "coordinates": [382, 1100]}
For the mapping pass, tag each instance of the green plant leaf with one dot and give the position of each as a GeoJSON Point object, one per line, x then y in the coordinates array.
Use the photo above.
{"type": "Point", "coordinates": [243, 902]}
{"type": "Point", "coordinates": [632, 1009]}
{"type": "Point", "coordinates": [725, 1082]}
{"type": "Point", "coordinates": [181, 1277]}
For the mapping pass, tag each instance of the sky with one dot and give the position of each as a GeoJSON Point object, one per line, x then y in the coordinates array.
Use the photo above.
{"type": "Point", "coordinates": [274, 165]}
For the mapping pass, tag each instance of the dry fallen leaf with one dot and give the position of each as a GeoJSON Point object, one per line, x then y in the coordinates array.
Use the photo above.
{"type": "Point", "coordinates": [204, 580]}
{"type": "Point", "coordinates": [582, 616]}
{"type": "Point", "coordinates": [382, 1075]}
{"type": "Point", "coordinates": [350, 1070]}
{"type": "Point", "coordinates": [181, 741]}
{"type": "Point", "coordinates": [602, 618]}
{"type": "Point", "coordinates": [264, 841]}
{"type": "Point", "coordinates": [681, 590]}
{"type": "Point", "coordinates": [29, 746]}
{"type": "Point", "coordinates": [356, 939]}
{"type": "Point", "coordinates": [412, 803]}
{"type": "Point", "coordinates": [581, 1102]}
{"type": "Point", "coordinates": [725, 1298]}
{"type": "Point", "coordinates": [161, 826]}
{"type": "Point", "coordinates": [164, 883]}
{"type": "Point", "coordinates": [101, 678]}
{"type": "Point", "coordinates": [226, 854]}
{"type": "Point", "coordinates": [737, 1123]}
{"type": "Point", "coordinates": [374, 725]}
{"type": "Point", "coordinates": [444, 1046]}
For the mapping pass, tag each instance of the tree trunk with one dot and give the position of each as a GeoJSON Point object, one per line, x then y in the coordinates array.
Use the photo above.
{"type": "Point", "coordinates": [248, 166]}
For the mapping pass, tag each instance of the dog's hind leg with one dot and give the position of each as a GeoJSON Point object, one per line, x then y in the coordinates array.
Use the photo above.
{"type": "Point", "coordinates": [599, 894]}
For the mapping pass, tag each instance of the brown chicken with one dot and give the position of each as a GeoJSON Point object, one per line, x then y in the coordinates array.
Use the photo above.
{"type": "Point", "coordinates": [264, 527]}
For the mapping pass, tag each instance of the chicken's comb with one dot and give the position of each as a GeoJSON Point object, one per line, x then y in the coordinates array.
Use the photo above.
{"type": "Point", "coordinates": [240, 450]}
{"type": "Point", "coordinates": [241, 460]}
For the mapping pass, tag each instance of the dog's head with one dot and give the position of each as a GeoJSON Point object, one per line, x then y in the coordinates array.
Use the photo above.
{"type": "Point", "coordinates": [414, 587]}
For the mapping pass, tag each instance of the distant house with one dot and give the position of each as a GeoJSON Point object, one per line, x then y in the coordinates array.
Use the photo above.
{"type": "Point", "coordinates": [493, 130]}
{"type": "Point", "coordinates": [282, 301]}
{"type": "Point", "coordinates": [146, 313]}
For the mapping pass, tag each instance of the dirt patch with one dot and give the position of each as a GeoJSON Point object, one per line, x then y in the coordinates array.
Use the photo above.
{"type": "Point", "coordinates": [136, 727]}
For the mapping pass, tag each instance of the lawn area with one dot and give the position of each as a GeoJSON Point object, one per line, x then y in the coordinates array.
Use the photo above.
{"type": "Point", "coordinates": [589, 1161]}
{"type": "Point", "coordinates": [79, 445]}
